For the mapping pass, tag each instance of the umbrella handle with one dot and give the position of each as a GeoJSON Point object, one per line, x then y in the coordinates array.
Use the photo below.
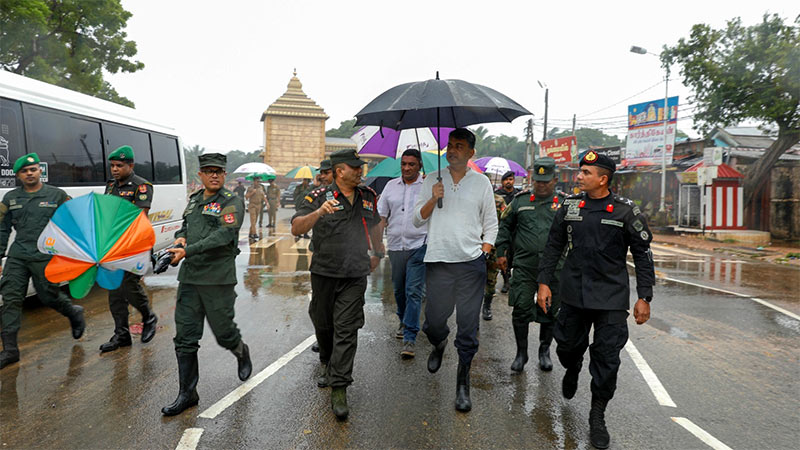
{"type": "Point", "coordinates": [439, 201]}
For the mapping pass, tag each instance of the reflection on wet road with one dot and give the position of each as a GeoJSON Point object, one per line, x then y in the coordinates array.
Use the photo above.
{"type": "Point", "coordinates": [730, 365]}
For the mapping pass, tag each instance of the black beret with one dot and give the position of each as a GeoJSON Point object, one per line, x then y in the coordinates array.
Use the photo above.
{"type": "Point", "coordinates": [509, 174]}
{"type": "Point", "coordinates": [593, 158]}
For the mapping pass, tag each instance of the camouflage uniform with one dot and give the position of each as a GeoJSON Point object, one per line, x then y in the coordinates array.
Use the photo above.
{"type": "Point", "coordinates": [491, 266]}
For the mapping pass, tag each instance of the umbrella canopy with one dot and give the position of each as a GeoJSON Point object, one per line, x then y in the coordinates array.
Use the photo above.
{"type": "Point", "coordinates": [95, 238]}
{"type": "Point", "coordinates": [390, 167]}
{"type": "Point", "coordinates": [255, 167]}
{"type": "Point", "coordinates": [439, 103]}
{"type": "Point", "coordinates": [302, 172]}
{"type": "Point", "coordinates": [374, 140]}
{"type": "Point", "coordinates": [263, 176]}
{"type": "Point", "coordinates": [499, 166]}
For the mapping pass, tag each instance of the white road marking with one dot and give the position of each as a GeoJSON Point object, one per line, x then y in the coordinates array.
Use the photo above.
{"type": "Point", "coordinates": [254, 381]}
{"type": "Point", "coordinates": [650, 377]}
{"type": "Point", "coordinates": [776, 308]}
{"type": "Point", "coordinates": [266, 244]}
{"type": "Point", "coordinates": [700, 433]}
{"type": "Point", "coordinates": [190, 438]}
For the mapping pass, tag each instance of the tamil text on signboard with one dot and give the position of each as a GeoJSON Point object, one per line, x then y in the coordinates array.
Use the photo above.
{"type": "Point", "coordinates": [563, 150]}
{"type": "Point", "coordinates": [646, 131]}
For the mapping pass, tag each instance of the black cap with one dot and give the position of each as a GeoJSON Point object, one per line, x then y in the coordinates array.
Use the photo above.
{"type": "Point", "coordinates": [544, 169]}
{"type": "Point", "coordinates": [593, 158]}
{"type": "Point", "coordinates": [212, 160]}
{"type": "Point", "coordinates": [347, 156]}
{"type": "Point", "coordinates": [509, 174]}
{"type": "Point", "coordinates": [325, 165]}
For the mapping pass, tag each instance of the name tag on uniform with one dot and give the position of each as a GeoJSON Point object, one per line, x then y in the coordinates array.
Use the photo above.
{"type": "Point", "coordinates": [13, 207]}
{"type": "Point", "coordinates": [48, 205]}
{"type": "Point", "coordinates": [526, 208]}
{"type": "Point", "coordinates": [213, 209]}
{"type": "Point", "coordinates": [616, 223]}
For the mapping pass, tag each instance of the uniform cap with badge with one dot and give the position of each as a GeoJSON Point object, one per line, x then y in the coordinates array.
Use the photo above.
{"type": "Point", "coordinates": [347, 156]}
{"type": "Point", "coordinates": [26, 160]}
{"type": "Point", "coordinates": [212, 160]}
{"type": "Point", "coordinates": [592, 158]}
{"type": "Point", "coordinates": [124, 154]}
{"type": "Point", "coordinates": [544, 169]}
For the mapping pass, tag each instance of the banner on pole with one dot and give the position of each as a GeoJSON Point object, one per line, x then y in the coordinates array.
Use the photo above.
{"type": "Point", "coordinates": [646, 131]}
{"type": "Point", "coordinates": [563, 150]}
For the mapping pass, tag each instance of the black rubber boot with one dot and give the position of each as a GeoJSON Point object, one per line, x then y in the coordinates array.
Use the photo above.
{"type": "Point", "coordinates": [339, 403]}
{"type": "Point", "coordinates": [187, 378]}
{"type": "Point", "coordinates": [545, 338]}
{"type": "Point", "coordinates": [598, 434]}
{"type": "Point", "coordinates": [463, 402]}
{"type": "Point", "coordinates": [506, 282]}
{"type": "Point", "coordinates": [569, 384]}
{"type": "Point", "coordinates": [487, 307]}
{"type": "Point", "coordinates": [76, 321]}
{"type": "Point", "coordinates": [245, 366]}
{"type": "Point", "coordinates": [521, 335]}
{"type": "Point", "coordinates": [10, 353]}
{"type": "Point", "coordinates": [435, 358]}
{"type": "Point", "coordinates": [149, 327]}
{"type": "Point", "coordinates": [322, 375]}
{"type": "Point", "coordinates": [121, 338]}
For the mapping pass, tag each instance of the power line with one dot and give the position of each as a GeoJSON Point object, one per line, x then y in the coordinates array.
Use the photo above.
{"type": "Point", "coordinates": [623, 100]}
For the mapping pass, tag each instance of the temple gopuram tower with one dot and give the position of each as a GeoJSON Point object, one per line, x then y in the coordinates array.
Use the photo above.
{"type": "Point", "coordinates": [294, 130]}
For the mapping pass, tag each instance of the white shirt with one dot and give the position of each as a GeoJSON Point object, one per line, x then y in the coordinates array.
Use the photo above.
{"type": "Point", "coordinates": [467, 219]}
{"type": "Point", "coordinates": [396, 204]}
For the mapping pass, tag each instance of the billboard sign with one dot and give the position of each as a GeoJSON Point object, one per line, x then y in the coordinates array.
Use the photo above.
{"type": "Point", "coordinates": [563, 150]}
{"type": "Point", "coordinates": [646, 131]}
{"type": "Point", "coordinates": [615, 153]}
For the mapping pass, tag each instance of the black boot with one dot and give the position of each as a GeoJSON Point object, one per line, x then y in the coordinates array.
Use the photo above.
{"type": "Point", "coordinates": [76, 321]}
{"type": "Point", "coordinates": [463, 402]}
{"type": "Point", "coordinates": [322, 375]}
{"type": "Point", "coordinates": [339, 403]}
{"type": "Point", "coordinates": [598, 434]}
{"type": "Point", "coordinates": [569, 384]}
{"type": "Point", "coordinates": [10, 353]}
{"type": "Point", "coordinates": [545, 338]}
{"type": "Point", "coordinates": [187, 378]}
{"type": "Point", "coordinates": [521, 335]}
{"type": "Point", "coordinates": [506, 282]}
{"type": "Point", "coordinates": [487, 306]}
{"type": "Point", "coordinates": [435, 358]}
{"type": "Point", "coordinates": [315, 347]}
{"type": "Point", "coordinates": [149, 327]}
{"type": "Point", "coordinates": [121, 338]}
{"type": "Point", "coordinates": [242, 353]}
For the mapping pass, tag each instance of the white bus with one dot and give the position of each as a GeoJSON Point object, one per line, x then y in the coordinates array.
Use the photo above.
{"type": "Point", "coordinates": [73, 134]}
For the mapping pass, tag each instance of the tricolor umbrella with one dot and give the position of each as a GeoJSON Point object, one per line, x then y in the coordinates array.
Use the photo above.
{"type": "Point", "coordinates": [95, 238]}
{"type": "Point", "coordinates": [302, 172]}
{"type": "Point", "coordinates": [498, 166]}
{"type": "Point", "coordinates": [377, 141]}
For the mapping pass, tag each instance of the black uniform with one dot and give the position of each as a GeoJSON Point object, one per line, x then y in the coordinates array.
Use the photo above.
{"type": "Point", "coordinates": [507, 196]}
{"type": "Point", "coordinates": [594, 280]}
{"type": "Point", "coordinates": [138, 191]}
{"type": "Point", "coordinates": [339, 272]}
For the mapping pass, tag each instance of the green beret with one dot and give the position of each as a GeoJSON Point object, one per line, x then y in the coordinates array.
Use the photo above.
{"type": "Point", "coordinates": [212, 160]}
{"type": "Point", "coordinates": [25, 161]}
{"type": "Point", "coordinates": [124, 154]}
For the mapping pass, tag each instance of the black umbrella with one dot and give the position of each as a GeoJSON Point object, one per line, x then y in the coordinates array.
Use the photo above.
{"type": "Point", "coordinates": [440, 103]}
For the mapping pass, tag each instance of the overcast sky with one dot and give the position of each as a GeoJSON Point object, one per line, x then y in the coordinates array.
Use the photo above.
{"type": "Point", "coordinates": [212, 68]}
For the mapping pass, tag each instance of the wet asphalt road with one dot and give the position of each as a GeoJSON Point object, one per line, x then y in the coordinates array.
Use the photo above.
{"type": "Point", "coordinates": [729, 364]}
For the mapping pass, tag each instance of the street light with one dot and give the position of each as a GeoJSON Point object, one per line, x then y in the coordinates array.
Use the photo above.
{"type": "Point", "coordinates": [642, 51]}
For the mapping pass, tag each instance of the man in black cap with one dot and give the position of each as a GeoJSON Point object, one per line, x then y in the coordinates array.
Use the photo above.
{"type": "Point", "coordinates": [27, 210]}
{"type": "Point", "coordinates": [345, 218]}
{"type": "Point", "coordinates": [508, 192]}
{"type": "Point", "coordinates": [525, 224]}
{"type": "Point", "coordinates": [326, 172]}
{"type": "Point", "coordinates": [596, 227]}
{"type": "Point", "coordinates": [138, 191]}
{"type": "Point", "coordinates": [208, 240]}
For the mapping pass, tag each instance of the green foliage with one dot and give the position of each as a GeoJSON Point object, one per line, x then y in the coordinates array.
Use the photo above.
{"type": "Point", "coordinates": [190, 154]}
{"type": "Point", "coordinates": [237, 157]}
{"type": "Point", "coordinates": [508, 147]}
{"type": "Point", "coordinates": [345, 129]}
{"type": "Point", "coordinates": [587, 137]}
{"type": "Point", "coordinates": [68, 43]}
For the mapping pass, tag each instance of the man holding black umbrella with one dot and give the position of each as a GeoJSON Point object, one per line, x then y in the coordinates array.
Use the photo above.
{"type": "Point", "coordinates": [460, 235]}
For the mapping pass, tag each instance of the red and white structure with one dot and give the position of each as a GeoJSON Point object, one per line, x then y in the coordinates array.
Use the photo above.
{"type": "Point", "coordinates": [723, 197]}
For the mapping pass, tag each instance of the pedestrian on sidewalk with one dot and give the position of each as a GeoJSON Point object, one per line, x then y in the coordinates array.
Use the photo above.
{"type": "Point", "coordinates": [135, 189]}
{"type": "Point", "coordinates": [460, 236]}
{"type": "Point", "coordinates": [208, 240]}
{"type": "Point", "coordinates": [27, 209]}
{"type": "Point", "coordinates": [345, 222]}
{"type": "Point", "coordinates": [525, 225]}
{"type": "Point", "coordinates": [406, 246]}
{"type": "Point", "coordinates": [596, 227]}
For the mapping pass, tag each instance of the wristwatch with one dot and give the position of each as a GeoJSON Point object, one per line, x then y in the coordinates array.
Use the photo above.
{"type": "Point", "coordinates": [648, 299]}
{"type": "Point", "coordinates": [378, 255]}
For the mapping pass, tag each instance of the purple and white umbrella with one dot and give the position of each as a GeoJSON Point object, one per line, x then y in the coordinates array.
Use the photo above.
{"type": "Point", "coordinates": [371, 140]}
{"type": "Point", "coordinates": [499, 166]}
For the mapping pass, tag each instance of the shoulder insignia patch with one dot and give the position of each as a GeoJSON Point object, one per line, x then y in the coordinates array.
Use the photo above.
{"type": "Point", "coordinates": [229, 218]}
{"type": "Point", "coordinates": [143, 188]}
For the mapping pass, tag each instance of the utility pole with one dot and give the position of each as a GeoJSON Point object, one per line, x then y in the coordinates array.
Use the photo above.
{"type": "Point", "coordinates": [573, 124]}
{"type": "Point", "coordinates": [531, 146]}
{"type": "Point", "coordinates": [544, 133]}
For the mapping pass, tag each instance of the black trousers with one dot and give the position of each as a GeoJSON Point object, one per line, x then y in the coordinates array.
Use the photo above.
{"type": "Point", "coordinates": [610, 335]}
{"type": "Point", "coordinates": [456, 286]}
{"type": "Point", "coordinates": [129, 292]}
{"type": "Point", "coordinates": [337, 312]}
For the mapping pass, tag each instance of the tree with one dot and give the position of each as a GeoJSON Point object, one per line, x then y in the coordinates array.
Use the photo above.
{"type": "Point", "coordinates": [68, 43]}
{"type": "Point", "coordinates": [587, 137]}
{"type": "Point", "coordinates": [237, 157]}
{"type": "Point", "coordinates": [741, 73]}
{"type": "Point", "coordinates": [345, 130]}
{"type": "Point", "coordinates": [190, 155]}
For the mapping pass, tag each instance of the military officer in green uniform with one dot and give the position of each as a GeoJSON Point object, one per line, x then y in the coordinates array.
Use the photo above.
{"type": "Point", "coordinates": [492, 268]}
{"type": "Point", "coordinates": [138, 191]}
{"type": "Point", "coordinates": [525, 225]}
{"type": "Point", "coordinates": [345, 218]}
{"type": "Point", "coordinates": [27, 209]}
{"type": "Point", "coordinates": [208, 241]}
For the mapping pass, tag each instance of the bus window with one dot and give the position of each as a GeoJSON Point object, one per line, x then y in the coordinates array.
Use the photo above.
{"type": "Point", "coordinates": [167, 156]}
{"type": "Point", "coordinates": [70, 146]}
{"type": "Point", "coordinates": [117, 136]}
{"type": "Point", "coordinates": [12, 141]}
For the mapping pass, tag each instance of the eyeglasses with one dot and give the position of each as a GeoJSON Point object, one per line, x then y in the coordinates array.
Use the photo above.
{"type": "Point", "coordinates": [213, 172]}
